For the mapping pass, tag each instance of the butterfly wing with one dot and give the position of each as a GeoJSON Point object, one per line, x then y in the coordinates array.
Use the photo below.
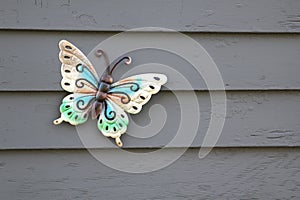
{"type": "Point", "coordinates": [133, 92]}
{"type": "Point", "coordinates": [113, 121]}
{"type": "Point", "coordinates": [75, 108]}
{"type": "Point", "coordinates": [80, 78]}
{"type": "Point", "coordinates": [77, 71]}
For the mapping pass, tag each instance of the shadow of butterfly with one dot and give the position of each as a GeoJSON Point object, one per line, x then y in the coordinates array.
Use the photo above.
{"type": "Point", "coordinates": [102, 98]}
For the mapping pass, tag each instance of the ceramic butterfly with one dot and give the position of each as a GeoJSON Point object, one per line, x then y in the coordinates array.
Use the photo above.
{"type": "Point", "coordinates": [102, 98]}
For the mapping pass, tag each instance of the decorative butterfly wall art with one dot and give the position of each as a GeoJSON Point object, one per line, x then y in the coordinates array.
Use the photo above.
{"type": "Point", "coordinates": [102, 98]}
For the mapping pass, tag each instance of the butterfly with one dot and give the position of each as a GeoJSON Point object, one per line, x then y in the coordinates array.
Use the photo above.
{"type": "Point", "coordinates": [102, 98]}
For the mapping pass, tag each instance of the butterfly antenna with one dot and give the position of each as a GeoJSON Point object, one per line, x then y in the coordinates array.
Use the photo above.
{"type": "Point", "coordinates": [126, 62]}
{"type": "Point", "coordinates": [99, 53]}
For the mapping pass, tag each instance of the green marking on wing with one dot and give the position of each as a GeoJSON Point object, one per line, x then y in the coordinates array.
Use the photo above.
{"type": "Point", "coordinates": [69, 111]}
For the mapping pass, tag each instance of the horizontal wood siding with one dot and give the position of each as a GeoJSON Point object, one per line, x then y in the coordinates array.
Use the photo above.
{"type": "Point", "coordinates": [180, 15]}
{"type": "Point", "coordinates": [227, 173]}
{"type": "Point", "coordinates": [269, 118]}
{"type": "Point", "coordinates": [29, 60]}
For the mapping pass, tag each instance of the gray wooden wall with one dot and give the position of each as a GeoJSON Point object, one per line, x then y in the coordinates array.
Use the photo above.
{"type": "Point", "coordinates": [255, 44]}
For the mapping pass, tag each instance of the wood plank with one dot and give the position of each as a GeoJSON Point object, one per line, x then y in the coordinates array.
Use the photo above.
{"type": "Point", "coordinates": [234, 173]}
{"type": "Point", "coordinates": [29, 60]}
{"type": "Point", "coordinates": [255, 119]}
{"type": "Point", "coordinates": [180, 15]}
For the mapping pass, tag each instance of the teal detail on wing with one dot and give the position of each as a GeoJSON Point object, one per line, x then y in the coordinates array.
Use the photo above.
{"type": "Point", "coordinates": [79, 75]}
{"type": "Point", "coordinates": [113, 121]}
{"type": "Point", "coordinates": [85, 73]}
{"type": "Point", "coordinates": [133, 92]}
{"type": "Point", "coordinates": [79, 79]}
{"type": "Point", "coordinates": [129, 88]}
{"type": "Point", "coordinates": [75, 108]}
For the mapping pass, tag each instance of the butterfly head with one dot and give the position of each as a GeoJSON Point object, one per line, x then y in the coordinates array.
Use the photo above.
{"type": "Point", "coordinates": [107, 78]}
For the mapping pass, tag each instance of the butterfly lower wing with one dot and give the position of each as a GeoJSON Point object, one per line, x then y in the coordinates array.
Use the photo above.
{"type": "Point", "coordinates": [133, 92]}
{"type": "Point", "coordinates": [77, 71]}
{"type": "Point", "coordinates": [75, 108]}
{"type": "Point", "coordinates": [113, 121]}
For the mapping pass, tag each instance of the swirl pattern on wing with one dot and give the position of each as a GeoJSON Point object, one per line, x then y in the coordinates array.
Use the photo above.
{"type": "Point", "coordinates": [133, 92]}
{"type": "Point", "coordinates": [75, 108]}
{"type": "Point", "coordinates": [113, 120]}
{"type": "Point", "coordinates": [77, 71]}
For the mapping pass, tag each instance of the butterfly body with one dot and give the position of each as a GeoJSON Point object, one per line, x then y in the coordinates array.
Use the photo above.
{"type": "Point", "coordinates": [102, 98]}
{"type": "Point", "coordinates": [102, 92]}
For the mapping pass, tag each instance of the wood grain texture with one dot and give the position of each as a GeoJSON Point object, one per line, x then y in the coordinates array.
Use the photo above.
{"type": "Point", "coordinates": [237, 173]}
{"type": "Point", "coordinates": [180, 15]}
{"type": "Point", "coordinates": [29, 60]}
{"type": "Point", "coordinates": [269, 118]}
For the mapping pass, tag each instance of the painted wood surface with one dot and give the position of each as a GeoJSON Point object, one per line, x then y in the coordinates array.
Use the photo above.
{"type": "Point", "coordinates": [29, 60]}
{"type": "Point", "coordinates": [181, 15]}
{"type": "Point", "coordinates": [269, 118]}
{"type": "Point", "coordinates": [226, 173]}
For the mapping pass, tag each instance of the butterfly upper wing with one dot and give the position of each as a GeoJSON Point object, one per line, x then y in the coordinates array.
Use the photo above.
{"type": "Point", "coordinates": [77, 71]}
{"type": "Point", "coordinates": [80, 78]}
{"type": "Point", "coordinates": [133, 92]}
{"type": "Point", "coordinates": [113, 121]}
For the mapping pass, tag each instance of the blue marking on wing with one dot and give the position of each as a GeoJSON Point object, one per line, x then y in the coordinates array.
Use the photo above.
{"type": "Point", "coordinates": [87, 74]}
{"type": "Point", "coordinates": [83, 101]}
{"type": "Point", "coordinates": [129, 88]}
{"type": "Point", "coordinates": [109, 109]}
